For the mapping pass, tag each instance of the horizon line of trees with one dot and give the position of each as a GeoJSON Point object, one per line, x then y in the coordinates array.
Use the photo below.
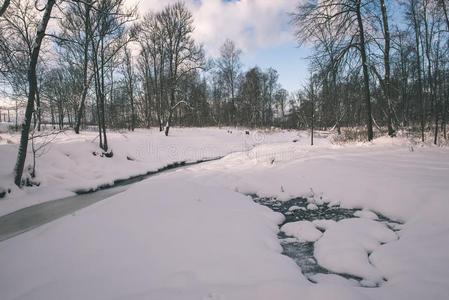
{"type": "Point", "coordinates": [94, 62]}
{"type": "Point", "coordinates": [380, 63]}
{"type": "Point", "coordinates": [375, 63]}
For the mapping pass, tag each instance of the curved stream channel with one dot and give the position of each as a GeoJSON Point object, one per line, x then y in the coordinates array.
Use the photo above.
{"type": "Point", "coordinates": [301, 252]}
{"type": "Point", "coordinates": [34, 216]}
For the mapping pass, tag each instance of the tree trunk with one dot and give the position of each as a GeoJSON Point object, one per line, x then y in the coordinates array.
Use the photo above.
{"type": "Point", "coordinates": [4, 7]}
{"type": "Point", "coordinates": [102, 99]}
{"type": "Point", "coordinates": [97, 91]}
{"type": "Point", "coordinates": [86, 81]}
{"type": "Point", "coordinates": [430, 76]}
{"type": "Point", "coordinates": [171, 108]}
{"type": "Point", "coordinates": [387, 81]}
{"type": "Point", "coordinates": [167, 127]}
{"type": "Point", "coordinates": [418, 64]}
{"type": "Point", "coordinates": [81, 108]}
{"type": "Point", "coordinates": [435, 139]}
{"type": "Point", "coordinates": [362, 46]}
{"type": "Point", "coordinates": [38, 109]}
{"type": "Point", "coordinates": [131, 90]}
{"type": "Point", "coordinates": [161, 91]}
{"type": "Point", "coordinates": [446, 17]}
{"type": "Point", "coordinates": [313, 115]}
{"type": "Point", "coordinates": [32, 81]}
{"type": "Point", "coordinates": [444, 121]}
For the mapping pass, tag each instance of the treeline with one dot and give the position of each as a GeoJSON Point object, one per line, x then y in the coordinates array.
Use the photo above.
{"type": "Point", "coordinates": [104, 66]}
{"type": "Point", "coordinates": [376, 62]}
{"type": "Point", "coordinates": [94, 62]}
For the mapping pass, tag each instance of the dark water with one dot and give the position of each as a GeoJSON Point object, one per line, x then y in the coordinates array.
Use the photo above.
{"type": "Point", "coordinates": [137, 178]}
{"type": "Point", "coordinates": [34, 216]}
{"type": "Point", "coordinates": [302, 252]}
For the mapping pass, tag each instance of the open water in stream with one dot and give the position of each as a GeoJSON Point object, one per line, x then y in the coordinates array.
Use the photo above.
{"type": "Point", "coordinates": [302, 252]}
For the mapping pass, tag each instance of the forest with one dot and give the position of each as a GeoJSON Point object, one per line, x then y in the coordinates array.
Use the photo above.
{"type": "Point", "coordinates": [375, 65]}
{"type": "Point", "coordinates": [224, 149]}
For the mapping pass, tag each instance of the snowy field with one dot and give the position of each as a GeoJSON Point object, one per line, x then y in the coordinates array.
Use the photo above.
{"type": "Point", "coordinates": [195, 234]}
{"type": "Point", "coordinates": [68, 164]}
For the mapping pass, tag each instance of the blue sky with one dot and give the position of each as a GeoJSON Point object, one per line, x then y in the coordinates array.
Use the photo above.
{"type": "Point", "coordinates": [260, 28]}
{"type": "Point", "coordinates": [289, 60]}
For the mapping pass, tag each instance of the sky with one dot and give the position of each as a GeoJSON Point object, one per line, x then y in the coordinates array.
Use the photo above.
{"type": "Point", "coordinates": [260, 28]}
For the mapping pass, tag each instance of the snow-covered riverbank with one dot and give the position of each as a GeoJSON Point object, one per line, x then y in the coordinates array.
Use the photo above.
{"type": "Point", "coordinates": [68, 164]}
{"type": "Point", "coordinates": [193, 234]}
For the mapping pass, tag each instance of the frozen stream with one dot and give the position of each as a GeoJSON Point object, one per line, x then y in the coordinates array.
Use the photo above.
{"type": "Point", "coordinates": [33, 216]}
{"type": "Point", "coordinates": [302, 252]}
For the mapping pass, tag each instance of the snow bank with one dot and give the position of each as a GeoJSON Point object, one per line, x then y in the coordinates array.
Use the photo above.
{"type": "Point", "coordinates": [345, 247]}
{"type": "Point", "coordinates": [364, 213]}
{"type": "Point", "coordinates": [382, 177]}
{"type": "Point", "coordinates": [162, 239]}
{"type": "Point", "coordinates": [68, 164]}
{"type": "Point", "coordinates": [323, 224]}
{"type": "Point", "coordinates": [294, 207]}
{"type": "Point", "coordinates": [302, 230]}
{"type": "Point", "coordinates": [191, 234]}
{"type": "Point", "coordinates": [333, 279]}
{"type": "Point", "coordinates": [312, 206]}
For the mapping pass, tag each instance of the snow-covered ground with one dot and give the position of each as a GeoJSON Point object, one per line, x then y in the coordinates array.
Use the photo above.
{"type": "Point", "coordinates": [67, 164]}
{"type": "Point", "coordinates": [4, 127]}
{"type": "Point", "coordinates": [193, 234]}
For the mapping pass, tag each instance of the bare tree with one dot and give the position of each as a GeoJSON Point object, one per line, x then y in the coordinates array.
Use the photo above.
{"type": "Point", "coordinates": [130, 83]}
{"type": "Point", "coordinates": [416, 23]}
{"type": "Point", "coordinates": [32, 79]}
{"type": "Point", "coordinates": [281, 101]}
{"type": "Point", "coordinates": [444, 6]}
{"type": "Point", "coordinates": [78, 28]}
{"type": "Point", "coordinates": [4, 7]}
{"type": "Point", "coordinates": [108, 39]}
{"type": "Point", "coordinates": [152, 39]}
{"type": "Point", "coordinates": [229, 66]}
{"type": "Point", "coordinates": [19, 25]}
{"type": "Point", "coordinates": [387, 66]}
{"type": "Point", "coordinates": [183, 55]}
{"type": "Point", "coordinates": [40, 144]}
{"type": "Point", "coordinates": [346, 17]}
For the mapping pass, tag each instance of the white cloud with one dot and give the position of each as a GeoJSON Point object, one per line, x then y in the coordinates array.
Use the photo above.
{"type": "Point", "coordinates": [252, 24]}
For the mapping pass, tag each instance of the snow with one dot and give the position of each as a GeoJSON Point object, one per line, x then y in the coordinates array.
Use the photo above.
{"type": "Point", "coordinates": [366, 214]}
{"type": "Point", "coordinates": [294, 207]}
{"type": "Point", "coordinates": [333, 279]}
{"type": "Point", "coordinates": [68, 164]}
{"type": "Point", "coordinates": [345, 247]}
{"type": "Point", "coordinates": [323, 224]}
{"type": "Point", "coordinates": [383, 176]}
{"type": "Point", "coordinates": [192, 234]}
{"type": "Point", "coordinates": [312, 206]}
{"type": "Point", "coordinates": [302, 230]}
{"type": "Point", "coordinates": [4, 127]}
{"type": "Point", "coordinates": [168, 235]}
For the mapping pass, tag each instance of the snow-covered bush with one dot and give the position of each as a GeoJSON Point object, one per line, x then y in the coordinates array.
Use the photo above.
{"type": "Point", "coordinates": [349, 135]}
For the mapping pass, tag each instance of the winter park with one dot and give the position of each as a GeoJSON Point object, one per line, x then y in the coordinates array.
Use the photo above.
{"type": "Point", "coordinates": [224, 149]}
